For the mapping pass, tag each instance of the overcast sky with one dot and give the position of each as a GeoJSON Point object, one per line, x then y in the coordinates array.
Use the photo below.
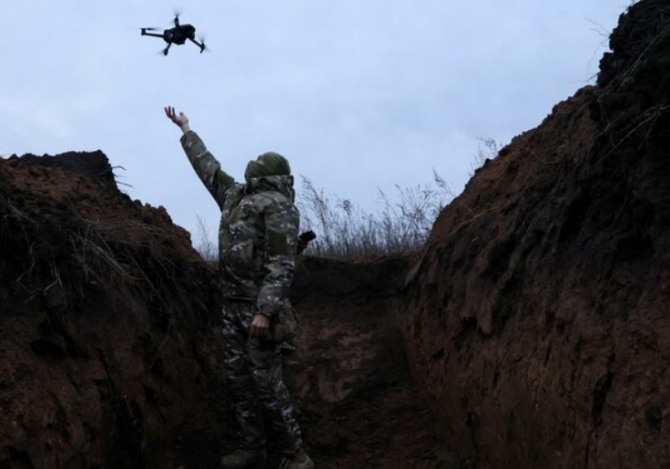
{"type": "Point", "coordinates": [359, 95]}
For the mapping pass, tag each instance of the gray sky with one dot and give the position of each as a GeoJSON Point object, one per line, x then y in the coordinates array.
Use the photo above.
{"type": "Point", "coordinates": [360, 95]}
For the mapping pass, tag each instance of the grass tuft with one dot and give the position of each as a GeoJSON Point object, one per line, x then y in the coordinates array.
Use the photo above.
{"type": "Point", "coordinates": [345, 231]}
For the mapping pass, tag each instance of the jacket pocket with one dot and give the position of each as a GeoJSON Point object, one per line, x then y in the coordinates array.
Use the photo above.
{"type": "Point", "coordinates": [285, 326]}
{"type": "Point", "coordinates": [239, 258]}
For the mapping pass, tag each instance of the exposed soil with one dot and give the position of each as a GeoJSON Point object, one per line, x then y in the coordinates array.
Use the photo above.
{"type": "Point", "coordinates": [89, 273]}
{"type": "Point", "coordinates": [532, 331]}
{"type": "Point", "coordinates": [540, 308]}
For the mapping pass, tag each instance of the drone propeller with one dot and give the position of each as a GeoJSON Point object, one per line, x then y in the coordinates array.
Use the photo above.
{"type": "Point", "coordinates": [177, 14]}
{"type": "Point", "coordinates": [151, 29]}
{"type": "Point", "coordinates": [203, 47]}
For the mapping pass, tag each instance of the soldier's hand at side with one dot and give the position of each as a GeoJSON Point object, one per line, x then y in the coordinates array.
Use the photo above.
{"type": "Point", "coordinates": [259, 325]}
{"type": "Point", "coordinates": [179, 119]}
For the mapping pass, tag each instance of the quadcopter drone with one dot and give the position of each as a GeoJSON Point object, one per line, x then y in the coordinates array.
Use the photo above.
{"type": "Point", "coordinates": [177, 35]}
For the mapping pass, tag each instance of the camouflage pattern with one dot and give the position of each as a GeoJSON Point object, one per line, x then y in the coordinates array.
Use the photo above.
{"type": "Point", "coordinates": [257, 245]}
{"type": "Point", "coordinates": [267, 164]}
{"type": "Point", "coordinates": [258, 230]}
{"type": "Point", "coordinates": [254, 376]}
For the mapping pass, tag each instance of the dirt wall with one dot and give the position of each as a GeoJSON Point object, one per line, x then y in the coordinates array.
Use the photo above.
{"type": "Point", "coordinates": [539, 322]}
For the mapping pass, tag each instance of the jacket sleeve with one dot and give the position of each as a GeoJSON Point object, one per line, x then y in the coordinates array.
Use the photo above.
{"type": "Point", "coordinates": [281, 232]}
{"type": "Point", "coordinates": [206, 166]}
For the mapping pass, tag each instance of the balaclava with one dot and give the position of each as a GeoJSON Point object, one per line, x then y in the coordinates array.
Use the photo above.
{"type": "Point", "coordinates": [268, 164]}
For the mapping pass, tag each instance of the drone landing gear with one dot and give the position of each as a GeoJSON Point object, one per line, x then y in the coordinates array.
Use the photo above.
{"type": "Point", "coordinates": [165, 51]}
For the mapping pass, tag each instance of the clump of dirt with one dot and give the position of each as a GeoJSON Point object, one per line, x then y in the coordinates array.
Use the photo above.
{"type": "Point", "coordinates": [538, 320]}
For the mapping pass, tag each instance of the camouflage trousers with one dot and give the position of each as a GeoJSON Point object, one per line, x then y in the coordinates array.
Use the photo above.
{"type": "Point", "coordinates": [254, 382]}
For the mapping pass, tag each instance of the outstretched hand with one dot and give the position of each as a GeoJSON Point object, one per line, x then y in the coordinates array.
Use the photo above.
{"type": "Point", "coordinates": [179, 119]}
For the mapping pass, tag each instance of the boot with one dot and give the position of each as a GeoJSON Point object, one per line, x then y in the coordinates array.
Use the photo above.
{"type": "Point", "coordinates": [299, 460]}
{"type": "Point", "coordinates": [244, 459]}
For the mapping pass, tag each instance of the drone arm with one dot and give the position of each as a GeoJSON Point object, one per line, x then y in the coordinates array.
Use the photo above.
{"type": "Point", "coordinates": [201, 45]}
{"type": "Point", "coordinates": [144, 33]}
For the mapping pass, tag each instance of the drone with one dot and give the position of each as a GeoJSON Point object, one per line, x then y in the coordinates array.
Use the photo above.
{"type": "Point", "coordinates": [177, 35]}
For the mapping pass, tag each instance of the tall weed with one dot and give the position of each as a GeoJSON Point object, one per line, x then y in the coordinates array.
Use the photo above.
{"type": "Point", "coordinates": [346, 231]}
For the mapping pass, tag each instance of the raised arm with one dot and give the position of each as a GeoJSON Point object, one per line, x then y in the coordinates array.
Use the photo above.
{"type": "Point", "coordinates": [204, 163]}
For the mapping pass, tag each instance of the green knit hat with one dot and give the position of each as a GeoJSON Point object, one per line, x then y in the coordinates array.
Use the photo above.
{"type": "Point", "coordinates": [268, 164]}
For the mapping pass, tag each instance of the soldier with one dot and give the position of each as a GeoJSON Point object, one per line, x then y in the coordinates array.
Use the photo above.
{"type": "Point", "coordinates": [257, 244]}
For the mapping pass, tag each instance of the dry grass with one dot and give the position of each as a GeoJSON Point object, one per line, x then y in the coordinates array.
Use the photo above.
{"type": "Point", "coordinates": [206, 247]}
{"type": "Point", "coordinates": [96, 258]}
{"type": "Point", "coordinates": [346, 231]}
{"type": "Point", "coordinates": [488, 149]}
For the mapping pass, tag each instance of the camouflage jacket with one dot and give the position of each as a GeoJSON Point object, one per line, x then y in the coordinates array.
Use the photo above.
{"type": "Point", "coordinates": [257, 233]}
